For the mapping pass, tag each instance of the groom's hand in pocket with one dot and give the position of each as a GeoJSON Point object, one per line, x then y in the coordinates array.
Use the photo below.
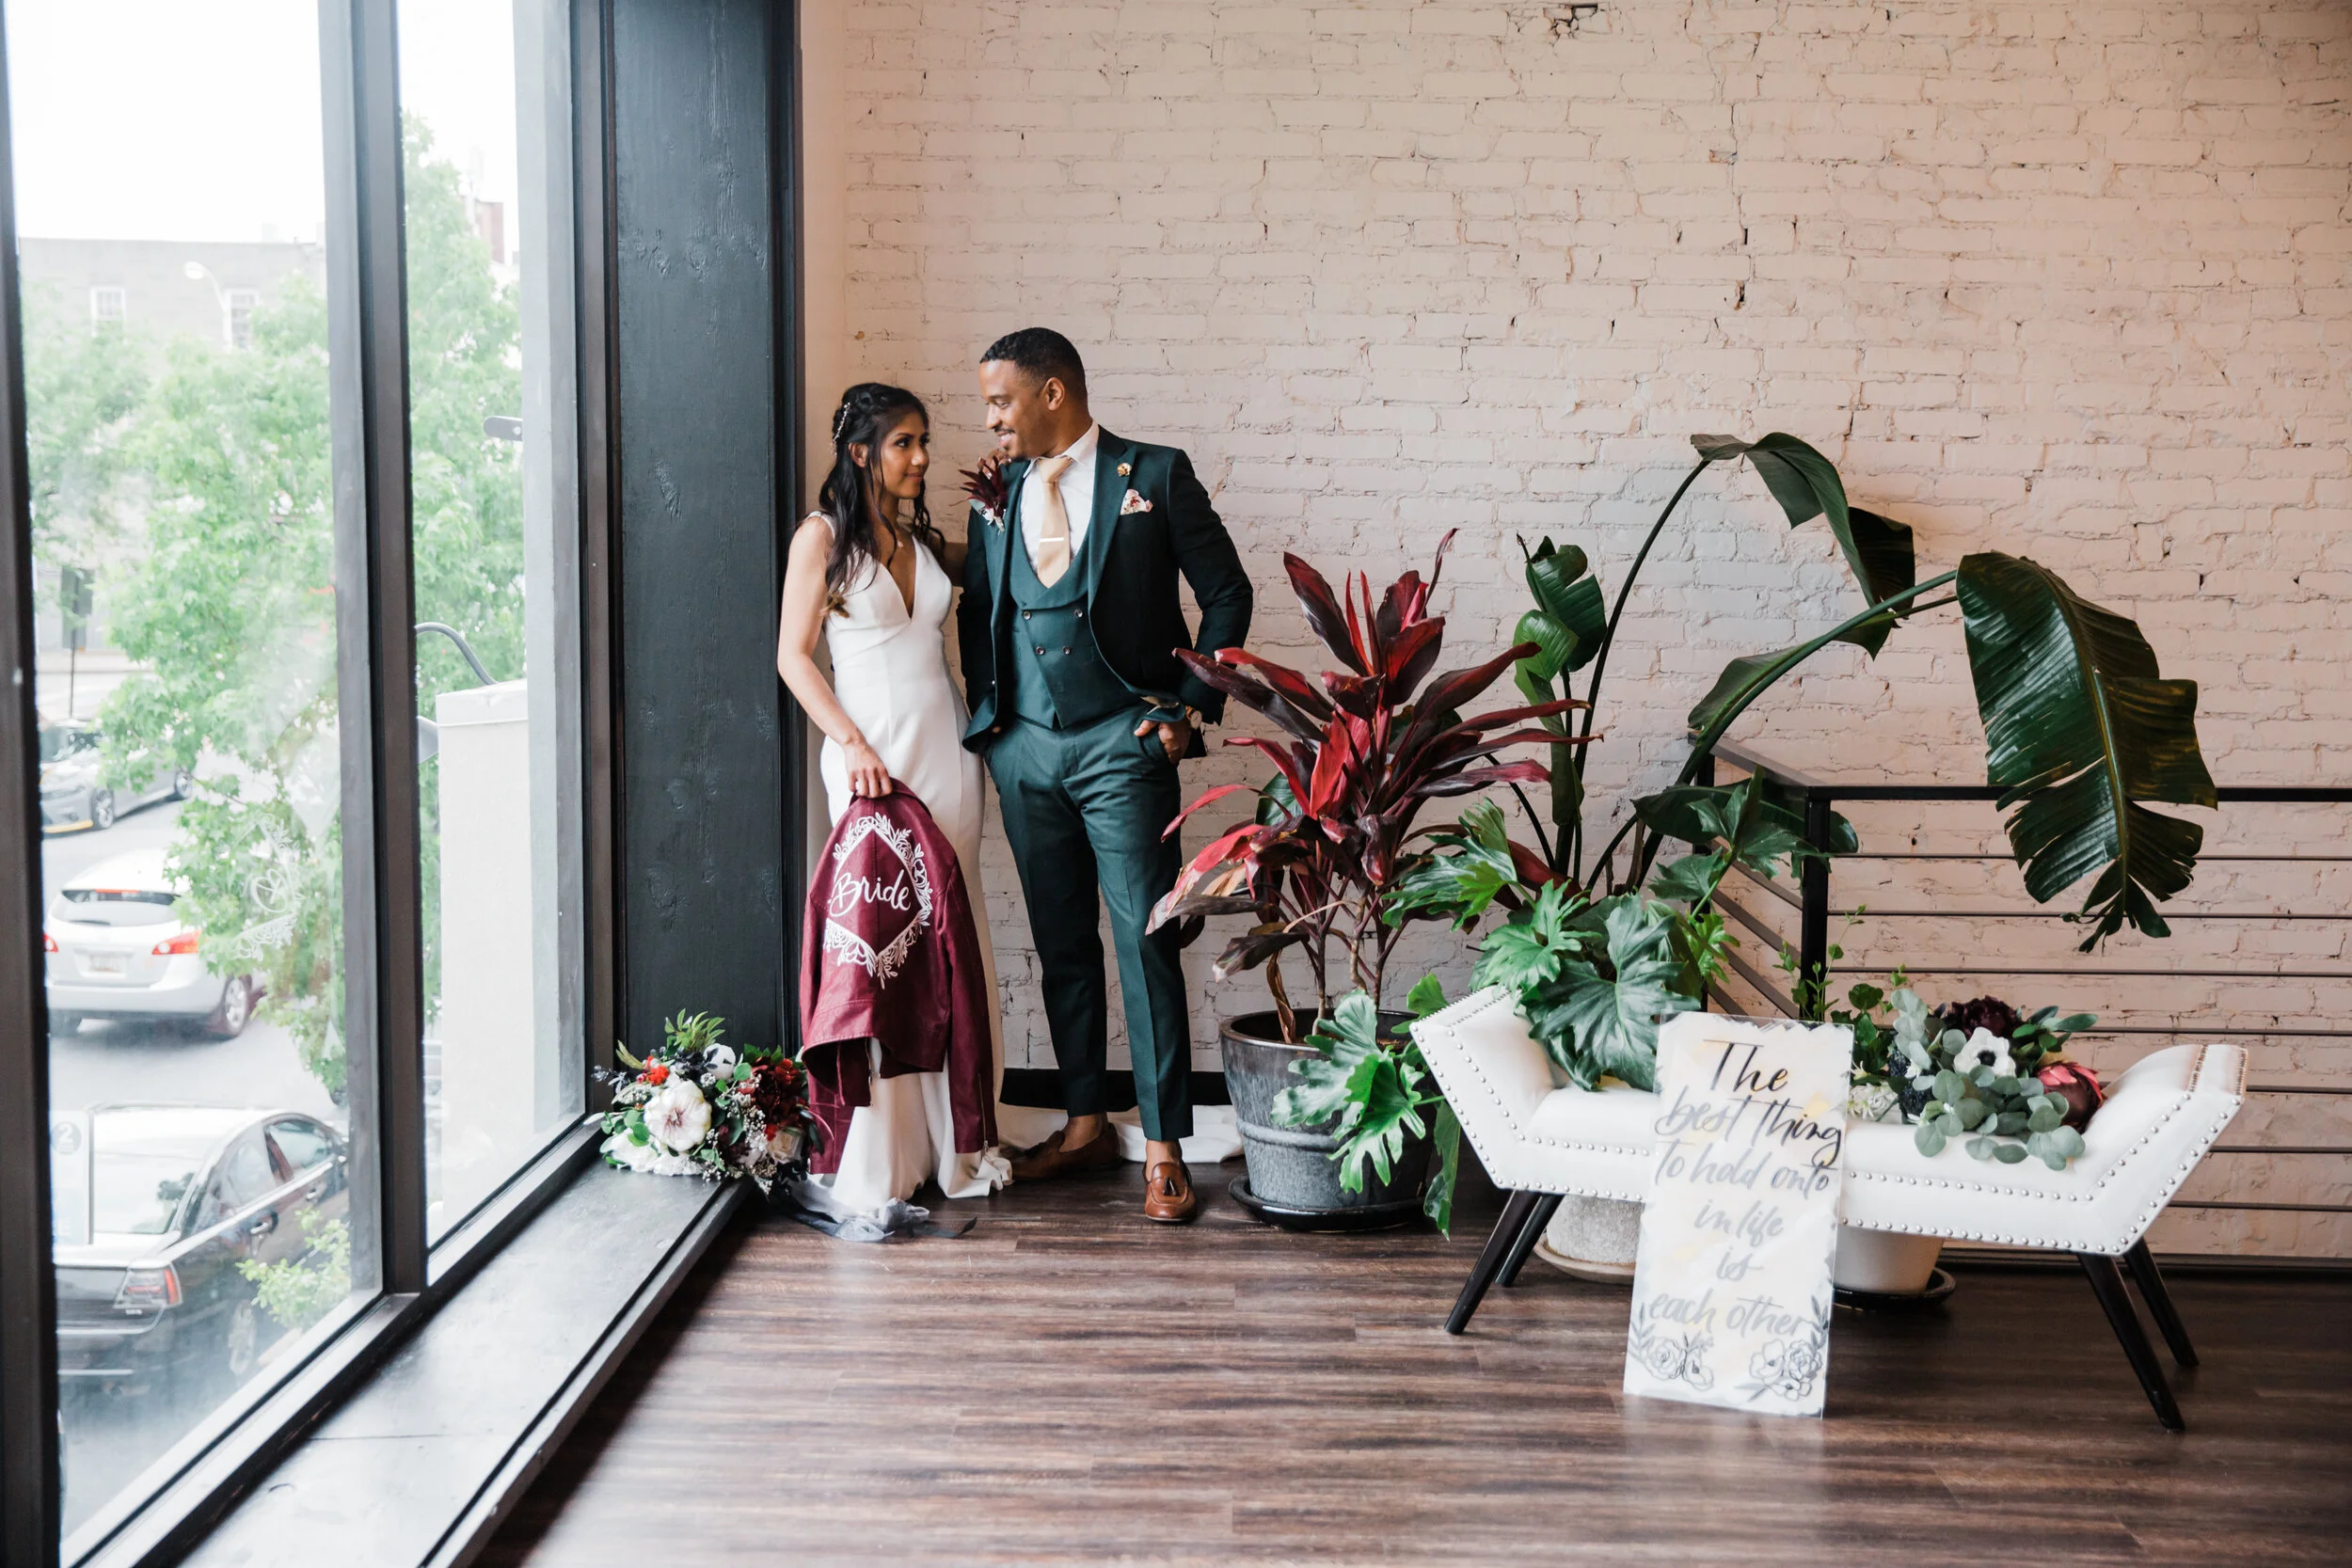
{"type": "Point", "coordinates": [1175, 738]}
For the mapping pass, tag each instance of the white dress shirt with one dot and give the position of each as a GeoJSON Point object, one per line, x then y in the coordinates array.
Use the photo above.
{"type": "Point", "coordinates": [1078, 493]}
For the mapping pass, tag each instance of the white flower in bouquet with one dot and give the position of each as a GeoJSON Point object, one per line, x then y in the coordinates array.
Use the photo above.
{"type": "Point", "coordinates": [630, 1155]}
{"type": "Point", "coordinates": [678, 1117]}
{"type": "Point", "coordinates": [1984, 1048]}
{"type": "Point", "coordinates": [1872, 1103]}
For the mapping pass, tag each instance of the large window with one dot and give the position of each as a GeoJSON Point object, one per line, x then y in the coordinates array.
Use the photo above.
{"type": "Point", "coordinates": [496, 692]}
{"type": "Point", "coordinates": [190, 783]}
{"type": "Point", "coordinates": [241, 1154]}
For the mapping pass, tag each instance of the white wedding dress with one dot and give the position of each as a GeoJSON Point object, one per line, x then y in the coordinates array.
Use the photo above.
{"type": "Point", "coordinates": [890, 671]}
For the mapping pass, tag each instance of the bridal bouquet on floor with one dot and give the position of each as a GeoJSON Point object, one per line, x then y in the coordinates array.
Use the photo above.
{"type": "Point", "coordinates": [696, 1106]}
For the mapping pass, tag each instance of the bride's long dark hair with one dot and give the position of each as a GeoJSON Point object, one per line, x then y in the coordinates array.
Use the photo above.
{"type": "Point", "coordinates": [851, 498]}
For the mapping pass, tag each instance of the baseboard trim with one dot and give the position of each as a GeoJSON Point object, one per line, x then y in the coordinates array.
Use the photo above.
{"type": "Point", "coordinates": [1040, 1087]}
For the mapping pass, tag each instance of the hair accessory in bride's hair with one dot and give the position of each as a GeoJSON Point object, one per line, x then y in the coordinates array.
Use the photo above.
{"type": "Point", "coordinates": [840, 419]}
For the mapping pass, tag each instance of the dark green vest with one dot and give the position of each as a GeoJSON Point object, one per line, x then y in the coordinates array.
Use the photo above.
{"type": "Point", "coordinates": [1057, 677]}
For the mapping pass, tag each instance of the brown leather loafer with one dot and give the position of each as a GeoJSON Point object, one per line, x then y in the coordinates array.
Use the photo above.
{"type": "Point", "coordinates": [1167, 1194]}
{"type": "Point", "coordinates": [1050, 1159]}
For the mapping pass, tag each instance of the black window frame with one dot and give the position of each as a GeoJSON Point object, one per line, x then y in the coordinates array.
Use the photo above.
{"type": "Point", "coordinates": [399, 1277]}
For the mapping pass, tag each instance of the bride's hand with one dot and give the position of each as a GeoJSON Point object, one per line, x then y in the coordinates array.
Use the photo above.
{"type": "Point", "coordinates": [868, 776]}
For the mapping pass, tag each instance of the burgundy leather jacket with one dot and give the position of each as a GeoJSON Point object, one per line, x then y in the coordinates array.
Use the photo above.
{"type": "Point", "coordinates": [889, 953]}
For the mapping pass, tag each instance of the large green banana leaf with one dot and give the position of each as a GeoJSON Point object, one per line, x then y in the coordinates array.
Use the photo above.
{"type": "Point", "coordinates": [2079, 731]}
{"type": "Point", "coordinates": [1877, 550]}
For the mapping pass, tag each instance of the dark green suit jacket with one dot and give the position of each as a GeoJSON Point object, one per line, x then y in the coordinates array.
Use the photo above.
{"type": "Point", "coordinates": [1133, 558]}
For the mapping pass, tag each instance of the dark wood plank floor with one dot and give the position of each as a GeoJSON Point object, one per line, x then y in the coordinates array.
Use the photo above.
{"type": "Point", "coordinates": [1070, 1385]}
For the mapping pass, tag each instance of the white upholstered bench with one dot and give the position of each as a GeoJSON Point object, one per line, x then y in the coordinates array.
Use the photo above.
{"type": "Point", "coordinates": [1542, 1141]}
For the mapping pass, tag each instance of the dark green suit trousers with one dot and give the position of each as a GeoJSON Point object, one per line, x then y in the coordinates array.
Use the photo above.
{"type": "Point", "coordinates": [1084, 808]}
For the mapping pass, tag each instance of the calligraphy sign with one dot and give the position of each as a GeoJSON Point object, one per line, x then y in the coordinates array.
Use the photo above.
{"type": "Point", "coordinates": [1731, 1282]}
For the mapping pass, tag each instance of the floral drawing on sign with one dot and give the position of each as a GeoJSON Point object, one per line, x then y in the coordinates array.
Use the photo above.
{"type": "Point", "coordinates": [1674, 1357]}
{"type": "Point", "coordinates": [872, 892]}
{"type": "Point", "coordinates": [1787, 1368]}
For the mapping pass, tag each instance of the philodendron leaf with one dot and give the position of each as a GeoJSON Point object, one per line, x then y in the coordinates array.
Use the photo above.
{"type": "Point", "coordinates": [1598, 1025]}
{"type": "Point", "coordinates": [1370, 1096]}
{"type": "Point", "coordinates": [1531, 949]}
{"type": "Point", "coordinates": [1756, 829]}
{"type": "Point", "coordinates": [1463, 882]}
{"type": "Point", "coordinates": [1336, 1081]}
{"type": "Point", "coordinates": [2080, 731]}
{"type": "Point", "coordinates": [1437, 1201]}
{"type": "Point", "coordinates": [1427, 997]}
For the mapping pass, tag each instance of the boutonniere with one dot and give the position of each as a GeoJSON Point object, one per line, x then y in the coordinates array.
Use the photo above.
{"type": "Point", "coordinates": [1126, 468]}
{"type": "Point", "coordinates": [1134, 503]}
{"type": "Point", "coordinates": [990, 493]}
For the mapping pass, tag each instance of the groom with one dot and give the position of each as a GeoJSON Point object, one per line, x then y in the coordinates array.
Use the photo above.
{"type": "Point", "coordinates": [1068, 620]}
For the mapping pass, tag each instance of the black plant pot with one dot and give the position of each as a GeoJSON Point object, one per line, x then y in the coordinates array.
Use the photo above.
{"type": "Point", "coordinates": [1294, 1181]}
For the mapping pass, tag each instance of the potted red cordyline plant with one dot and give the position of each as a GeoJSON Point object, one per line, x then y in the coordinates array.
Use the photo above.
{"type": "Point", "coordinates": [1364, 749]}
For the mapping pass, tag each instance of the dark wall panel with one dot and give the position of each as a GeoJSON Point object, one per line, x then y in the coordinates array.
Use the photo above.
{"type": "Point", "coordinates": [703, 840]}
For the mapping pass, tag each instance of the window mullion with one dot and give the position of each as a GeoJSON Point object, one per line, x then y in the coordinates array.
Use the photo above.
{"type": "Point", "coordinates": [384, 990]}
{"type": "Point", "coordinates": [29, 1307]}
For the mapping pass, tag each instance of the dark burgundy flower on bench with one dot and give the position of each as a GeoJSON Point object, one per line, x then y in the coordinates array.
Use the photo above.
{"type": "Point", "coordinates": [2078, 1087]}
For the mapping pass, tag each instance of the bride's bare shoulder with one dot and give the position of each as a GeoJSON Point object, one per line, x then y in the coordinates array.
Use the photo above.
{"type": "Point", "coordinates": [812, 537]}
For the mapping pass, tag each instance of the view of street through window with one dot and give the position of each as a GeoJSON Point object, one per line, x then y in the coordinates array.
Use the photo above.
{"type": "Point", "coordinates": [175, 279]}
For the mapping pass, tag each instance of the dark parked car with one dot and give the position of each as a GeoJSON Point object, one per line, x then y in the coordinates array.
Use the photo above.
{"type": "Point", "coordinates": [178, 1196]}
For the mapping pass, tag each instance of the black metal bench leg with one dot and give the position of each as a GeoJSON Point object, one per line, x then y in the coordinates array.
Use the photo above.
{"type": "Point", "coordinates": [2106, 1283]}
{"type": "Point", "coordinates": [2143, 1266]}
{"type": "Point", "coordinates": [1489, 1263]}
{"type": "Point", "coordinates": [1529, 1233]}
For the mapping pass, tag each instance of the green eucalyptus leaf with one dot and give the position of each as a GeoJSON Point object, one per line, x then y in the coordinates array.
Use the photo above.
{"type": "Point", "coordinates": [1928, 1138]}
{"type": "Point", "coordinates": [1950, 1088]}
{"type": "Point", "coordinates": [1981, 1148]}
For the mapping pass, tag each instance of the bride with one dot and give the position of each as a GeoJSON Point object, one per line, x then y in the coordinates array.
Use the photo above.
{"type": "Point", "coordinates": [871, 575]}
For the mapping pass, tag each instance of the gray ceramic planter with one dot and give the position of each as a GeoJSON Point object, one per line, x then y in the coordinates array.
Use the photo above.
{"type": "Point", "coordinates": [1294, 1181]}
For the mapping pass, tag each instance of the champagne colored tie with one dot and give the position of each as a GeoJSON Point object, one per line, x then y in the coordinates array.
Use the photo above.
{"type": "Point", "coordinates": [1051, 554]}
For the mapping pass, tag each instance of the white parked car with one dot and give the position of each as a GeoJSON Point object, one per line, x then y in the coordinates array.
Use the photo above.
{"type": "Point", "coordinates": [71, 795]}
{"type": "Point", "coordinates": [116, 948]}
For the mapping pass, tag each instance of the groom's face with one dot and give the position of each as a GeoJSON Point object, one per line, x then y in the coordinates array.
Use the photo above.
{"type": "Point", "coordinates": [1023, 414]}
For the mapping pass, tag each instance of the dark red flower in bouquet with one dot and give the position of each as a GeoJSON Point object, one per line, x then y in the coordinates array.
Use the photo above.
{"type": "Point", "coordinates": [2078, 1087]}
{"type": "Point", "coordinates": [1985, 1012]}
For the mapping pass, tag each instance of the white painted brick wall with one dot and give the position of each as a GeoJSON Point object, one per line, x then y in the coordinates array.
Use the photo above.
{"type": "Point", "coordinates": [2062, 280]}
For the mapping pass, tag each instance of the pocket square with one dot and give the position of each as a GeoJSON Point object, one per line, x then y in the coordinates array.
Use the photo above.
{"type": "Point", "coordinates": [1134, 503]}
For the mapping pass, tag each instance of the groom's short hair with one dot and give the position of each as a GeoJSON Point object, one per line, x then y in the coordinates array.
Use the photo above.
{"type": "Point", "coordinates": [1041, 354]}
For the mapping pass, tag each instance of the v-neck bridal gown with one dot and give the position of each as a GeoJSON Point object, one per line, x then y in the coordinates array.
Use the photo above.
{"type": "Point", "coordinates": [890, 671]}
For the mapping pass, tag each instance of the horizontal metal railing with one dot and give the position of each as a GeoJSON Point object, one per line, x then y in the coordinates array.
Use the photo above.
{"type": "Point", "coordinates": [1815, 905]}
